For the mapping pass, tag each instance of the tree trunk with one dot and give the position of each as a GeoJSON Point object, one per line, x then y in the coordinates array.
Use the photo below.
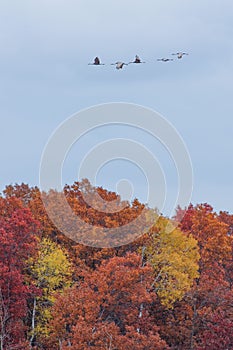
{"type": "Point", "coordinates": [193, 324]}
{"type": "Point", "coordinates": [141, 306]}
{"type": "Point", "coordinates": [3, 319]}
{"type": "Point", "coordinates": [33, 322]}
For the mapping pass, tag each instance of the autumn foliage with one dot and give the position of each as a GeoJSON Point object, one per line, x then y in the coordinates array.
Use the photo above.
{"type": "Point", "coordinates": [165, 289]}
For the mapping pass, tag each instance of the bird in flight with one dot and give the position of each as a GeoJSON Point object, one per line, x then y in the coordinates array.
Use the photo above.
{"type": "Point", "coordinates": [96, 62]}
{"type": "Point", "coordinates": [180, 54]}
{"type": "Point", "coordinates": [119, 65]}
{"type": "Point", "coordinates": [137, 60]}
{"type": "Point", "coordinates": [165, 59]}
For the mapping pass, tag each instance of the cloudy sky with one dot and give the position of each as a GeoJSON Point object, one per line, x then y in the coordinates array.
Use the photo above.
{"type": "Point", "coordinates": [45, 78]}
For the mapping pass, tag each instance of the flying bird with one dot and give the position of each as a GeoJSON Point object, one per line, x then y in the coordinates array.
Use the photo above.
{"type": "Point", "coordinates": [137, 60]}
{"type": "Point", "coordinates": [165, 59]}
{"type": "Point", "coordinates": [180, 54]}
{"type": "Point", "coordinates": [119, 65]}
{"type": "Point", "coordinates": [96, 62]}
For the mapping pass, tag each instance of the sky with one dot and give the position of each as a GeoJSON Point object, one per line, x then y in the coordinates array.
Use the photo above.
{"type": "Point", "coordinates": [45, 78]}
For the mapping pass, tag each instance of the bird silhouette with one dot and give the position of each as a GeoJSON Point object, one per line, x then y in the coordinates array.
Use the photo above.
{"type": "Point", "coordinates": [165, 59]}
{"type": "Point", "coordinates": [119, 65]}
{"type": "Point", "coordinates": [137, 60]}
{"type": "Point", "coordinates": [96, 62]}
{"type": "Point", "coordinates": [180, 54]}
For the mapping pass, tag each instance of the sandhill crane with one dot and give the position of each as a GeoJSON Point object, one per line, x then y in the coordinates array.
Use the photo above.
{"type": "Point", "coordinates": [180, 54]}
{"type": "Point", "coordinates": [119, 65]}
{"type": "Point", "coordinates": [96, 62]}
{"type": "Point", "coordinates": [137, 60]}
{"type": "Point", "coordinates": [165, 59]}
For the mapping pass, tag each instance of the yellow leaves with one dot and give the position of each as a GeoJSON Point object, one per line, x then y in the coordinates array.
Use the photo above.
{"type": "Point", "coordinates": [174, 257]}
{"type": "Point", "coordinates": [52, 273]}
{"type": "Point", "coordinates": [51, 269]}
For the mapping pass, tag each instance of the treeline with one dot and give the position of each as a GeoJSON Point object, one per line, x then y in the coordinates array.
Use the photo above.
{"type": "Point", "coordinates": [168, 289]}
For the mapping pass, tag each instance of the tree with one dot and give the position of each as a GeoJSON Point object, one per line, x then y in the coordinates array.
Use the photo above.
{"type": "Point", "coordinates": [218, 334]}
{"type": "Point", "coordinates": [192, 316]}
{"type": "Point", "coordinates": [51, 272]}
{"type": "Point", "coordinates": [105, 310]}
{"type": "Point", "coordinates": [174, 257]}
{"type": "Point", "coordinates": [18, 232]}
{"type": "Point", "coordinates": [13, 308]}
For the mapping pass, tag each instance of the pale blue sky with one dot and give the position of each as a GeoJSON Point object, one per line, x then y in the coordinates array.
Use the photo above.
{"type": "Point", "coordinates": [45, 48]}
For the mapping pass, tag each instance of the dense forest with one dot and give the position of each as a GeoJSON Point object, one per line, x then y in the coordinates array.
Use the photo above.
{"type": "Point", "coordinates": [164, 290]}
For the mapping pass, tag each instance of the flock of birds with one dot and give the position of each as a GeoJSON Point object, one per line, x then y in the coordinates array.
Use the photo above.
{"type": "Point", "coordinates": [137, 60]}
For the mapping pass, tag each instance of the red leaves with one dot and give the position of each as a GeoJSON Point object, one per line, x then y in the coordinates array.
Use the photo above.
{"type": "Point", "coordinates": [218, 334]}
{"type": "Point", "coordinates": [208, 306]}
{"type": "Point", "coordinates": [17, 243]}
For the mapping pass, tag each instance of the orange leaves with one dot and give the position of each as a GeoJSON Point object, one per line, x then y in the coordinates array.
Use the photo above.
{"type": "Point", "coordinates": [164, 288]}
{"type": "Point", "coordinates": [106, 307]}
{"type": "Point", "coordinates": [210, 232]}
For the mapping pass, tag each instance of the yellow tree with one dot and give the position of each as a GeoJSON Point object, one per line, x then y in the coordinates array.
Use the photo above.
{"type": "Point", "coordinates": [52, 273]}
{"type": "Point", "coordinates": [174, 257]}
